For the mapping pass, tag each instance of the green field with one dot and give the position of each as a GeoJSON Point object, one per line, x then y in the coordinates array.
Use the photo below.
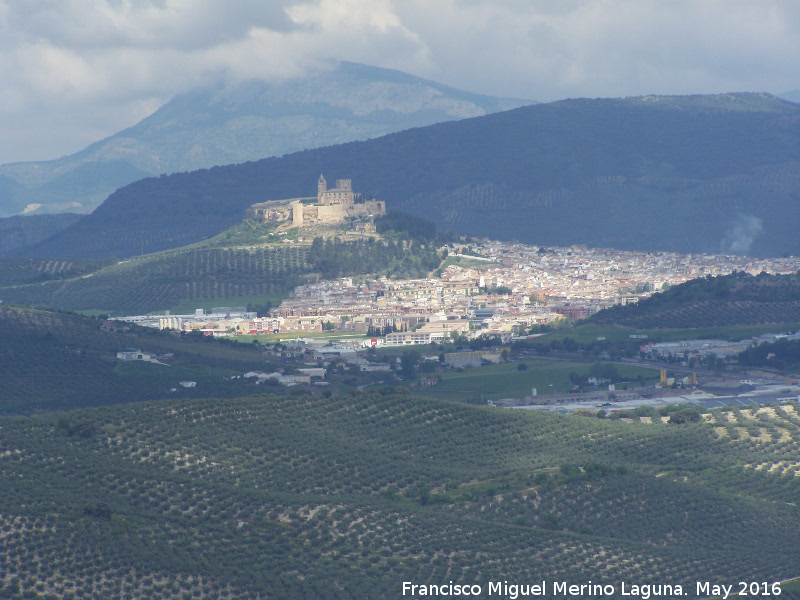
{"type": "Point", "coordinates": [495, 382]}
{"type": "Point", "coordinates": [204, 276]}
{"type": "Point", "coordinates": [178, 278]}
{"type": "Point", "coordinates": [792, 587]}
{"type": "Point", "coordinates": [21, 271]}
{"type": "Point", "coordinates": [247, 232]}
{"type": "Point", "coordinates": [93, 312]}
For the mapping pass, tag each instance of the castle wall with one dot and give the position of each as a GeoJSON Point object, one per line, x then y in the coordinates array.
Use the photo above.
{"type": "Point", "coordinates": [335, 213]}
{"type": "Point", "coordinates": [273, 210]}
{"type": "Point", "coordinates": [331, 213]}
{"type": "Point", "coordinates": [371, 208]}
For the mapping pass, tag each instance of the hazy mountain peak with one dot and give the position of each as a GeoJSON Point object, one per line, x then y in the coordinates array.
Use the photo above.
{"type": "Point", "coordinates": [337, 103]}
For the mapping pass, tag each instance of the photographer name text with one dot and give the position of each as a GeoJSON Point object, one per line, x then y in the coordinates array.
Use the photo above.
{"type": "Point", "coordinates": [566, 589]}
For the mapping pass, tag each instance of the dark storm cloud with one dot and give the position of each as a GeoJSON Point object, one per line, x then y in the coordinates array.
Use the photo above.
{"type": "Point", "coordinates": [152, 23]}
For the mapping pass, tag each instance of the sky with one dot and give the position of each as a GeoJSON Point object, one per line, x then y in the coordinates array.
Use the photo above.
{"type": "Point", "coordinates": [75, 71]}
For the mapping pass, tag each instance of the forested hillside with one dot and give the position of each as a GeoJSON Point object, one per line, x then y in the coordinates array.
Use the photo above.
{"type": "Point", "coordinates": [304, 496]}
{"type": "Point", "coordinates": [689, 174]}
{"type": "Point", "coordinates": [723, 301]}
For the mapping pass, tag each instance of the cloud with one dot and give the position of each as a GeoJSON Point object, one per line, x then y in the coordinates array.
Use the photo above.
{"type": "Point", "coordinates": [549, 50]}
{"type": "Point", "coordinates": [97, 66]}
{"type": "Point", "coordinates": [742, 234]}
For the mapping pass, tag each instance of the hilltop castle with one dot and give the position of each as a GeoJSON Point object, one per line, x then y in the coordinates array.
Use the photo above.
{"type": "Point", "coordinates": [332, 206]}
{"type": "Point", "coordinates": [335, 205]}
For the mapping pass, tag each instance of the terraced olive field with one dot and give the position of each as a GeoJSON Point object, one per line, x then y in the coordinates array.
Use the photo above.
{"type": "Point", "coordinates": [19, 271]}
{"type": "Point", "coordinates": [20, 231]}
{"type": "Point", "coordinates": [713, 302]}
{"type": "Point", "coordinates": [304, 496]}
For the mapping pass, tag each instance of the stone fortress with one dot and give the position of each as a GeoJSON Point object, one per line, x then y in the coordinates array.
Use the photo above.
{"type": "Point", "coordinates": [332, 206]}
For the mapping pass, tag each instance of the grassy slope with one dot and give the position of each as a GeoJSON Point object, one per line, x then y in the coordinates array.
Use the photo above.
{"type": "Point", "coordinates": [732, 307]}
{"type": "Point", "coordinates": [303, 497]}
{"type": "Point", "coordinates": [20, 271]}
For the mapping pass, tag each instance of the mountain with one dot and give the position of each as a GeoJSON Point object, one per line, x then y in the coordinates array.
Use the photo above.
{"type": "Point", "coordinates": [239, 122]}
{"type": "Point", "coordinates": [687, 174]}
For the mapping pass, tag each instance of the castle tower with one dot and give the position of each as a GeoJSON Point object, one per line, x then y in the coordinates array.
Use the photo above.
{"type": "Point", "coordinates": [322, 187]}
{"type": "Point", "coordinates": [297, 213]}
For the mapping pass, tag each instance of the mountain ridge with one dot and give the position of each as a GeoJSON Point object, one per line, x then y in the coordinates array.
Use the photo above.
{"type": "Point", "coordinates": [714, 174]}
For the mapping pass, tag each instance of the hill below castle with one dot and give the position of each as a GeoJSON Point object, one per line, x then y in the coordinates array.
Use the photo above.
{"type": "Point", "coordinates": [249, 260]}
{"type": "Point", "coordinates": [687, 174]}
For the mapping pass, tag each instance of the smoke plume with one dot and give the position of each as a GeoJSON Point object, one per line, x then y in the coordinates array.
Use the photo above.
{"type": "Point", "coordinates": [741, 235]}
